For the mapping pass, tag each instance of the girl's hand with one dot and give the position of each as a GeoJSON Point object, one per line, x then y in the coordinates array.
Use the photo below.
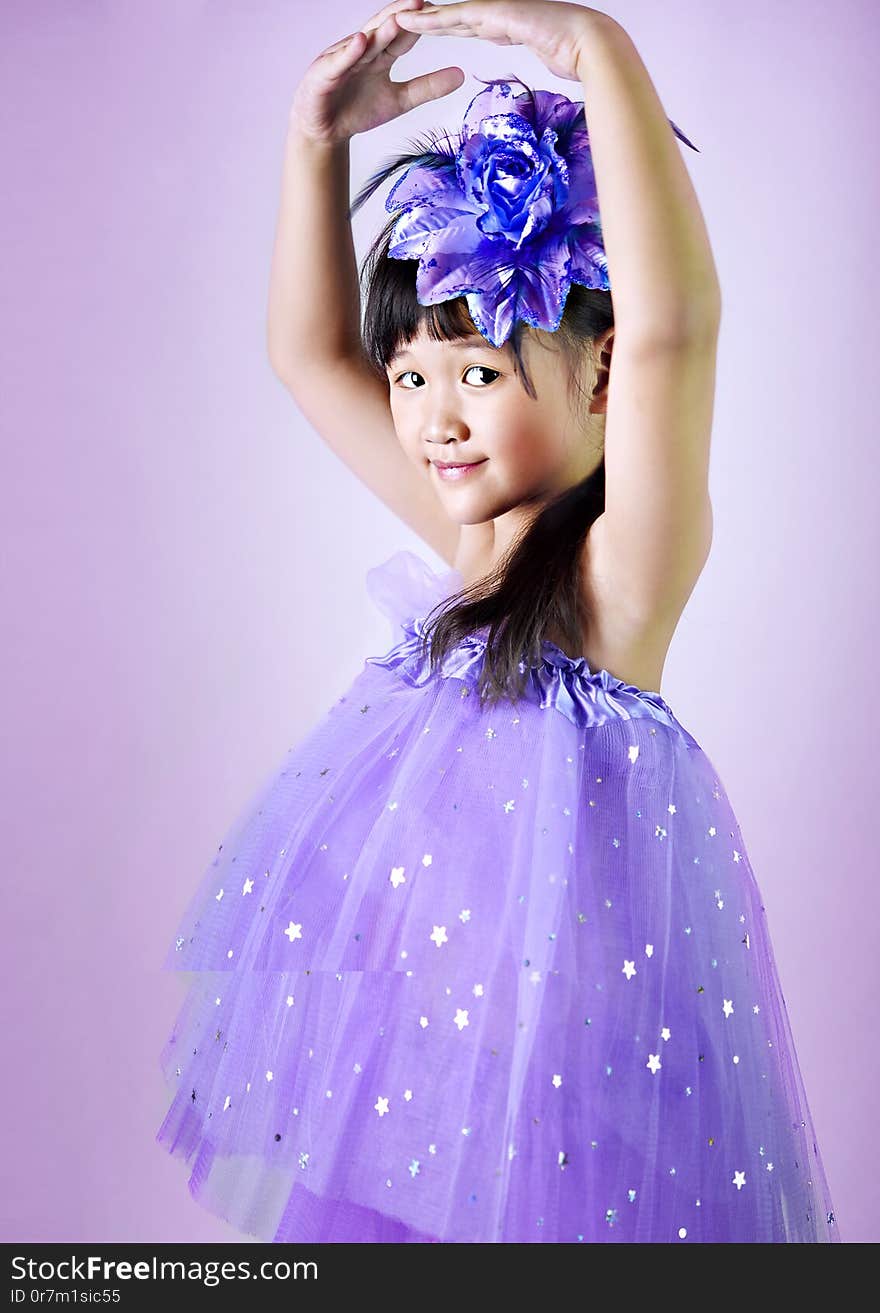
{"type": "Point", "coordinates": [556, 32]}
{"type": "Point", "coordinates": [347, 89]}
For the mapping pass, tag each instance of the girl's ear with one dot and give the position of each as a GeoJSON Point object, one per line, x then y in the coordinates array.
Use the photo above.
{"type": "Point", "coordinates": [603, 347]}
{"type": "Point", "coordinates": [605, 343]}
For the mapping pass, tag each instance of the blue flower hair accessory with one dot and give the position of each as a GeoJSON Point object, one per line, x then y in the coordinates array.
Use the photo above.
{"type": "Point", "coordinates": [506, 216]}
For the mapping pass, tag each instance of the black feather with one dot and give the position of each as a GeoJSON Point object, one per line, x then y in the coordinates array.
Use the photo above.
{"type": "Point", "coordinates": [433, 151]}
{"type": "Point", "coordinates": [683, 138]}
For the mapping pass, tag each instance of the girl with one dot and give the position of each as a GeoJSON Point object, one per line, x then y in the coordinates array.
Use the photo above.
{"type": "Point", "coordinates": [486, 960]}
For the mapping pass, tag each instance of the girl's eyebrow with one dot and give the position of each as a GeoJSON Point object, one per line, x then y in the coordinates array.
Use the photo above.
{"type": "Point", "coordinates": [473, 339]}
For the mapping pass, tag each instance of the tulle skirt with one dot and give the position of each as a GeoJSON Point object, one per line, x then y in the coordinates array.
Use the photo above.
{"type": "Point", "coordinates": [463, 974]}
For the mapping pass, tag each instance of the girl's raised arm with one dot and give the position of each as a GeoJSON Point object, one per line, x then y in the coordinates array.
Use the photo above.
{"type": "Point", "coordinates": [656, 531]}
{"type": "Point", "coordinates": [313, 329]}
{"type": "Point", "coordinates": [315, 346]}
{"type": "Point", "coordinates": [660, 262]}
{"type": "Point", "coordinates": [314, 294]}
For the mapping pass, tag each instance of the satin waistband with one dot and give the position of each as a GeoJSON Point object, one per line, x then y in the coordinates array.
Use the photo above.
{"type": "Point", "coordinates": [584, 696]}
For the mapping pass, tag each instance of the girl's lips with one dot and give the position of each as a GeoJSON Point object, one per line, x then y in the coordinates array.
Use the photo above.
{"type": "Point", "coordinates": [449, 473]}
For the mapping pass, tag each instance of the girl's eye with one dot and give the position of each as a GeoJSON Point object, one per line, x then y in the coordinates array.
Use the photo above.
{"type": "Point", "coordinates": [485, 369]}
{"type": "Point", "coordinates": [469, 370]}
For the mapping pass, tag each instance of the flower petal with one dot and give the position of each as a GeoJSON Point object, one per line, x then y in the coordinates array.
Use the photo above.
{"type": "Point", "coordinates": [432, 227]}
{"type": "Point", "coordinates": [420, 184]}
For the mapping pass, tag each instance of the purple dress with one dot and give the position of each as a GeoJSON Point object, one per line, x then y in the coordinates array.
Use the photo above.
{"type": "Point", "coordinates": [469, 975]}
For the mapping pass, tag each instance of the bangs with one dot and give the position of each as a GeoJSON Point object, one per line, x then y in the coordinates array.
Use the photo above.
{"type": "Point", "coordinates": [393, 314]}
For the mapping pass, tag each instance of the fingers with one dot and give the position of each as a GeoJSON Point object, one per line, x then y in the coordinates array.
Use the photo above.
{"type": "Point", "coordinates": [341, 44]}
{"type": "Point", "coordinates": [399, 43]}
{"type": "Point", "coordinates": [380, 37]}
{"type": "Point", "coordinates": [372, 23]}
{"type": "Point", "coordinates": [431, 86]}
{"type": "Point", "coordinates": [460, 28]}
{"type": "Point", "coordinates": [335, 63]}
{"type": "Point", "coordinates": [380, 19]}
{"type": "Point", "coordinates": [438, 18]}
{"type": "Point", "coordinates": [467, 18]}
{"type": "Point", "coordinates": [360, 49]}
{"type": "Point", "coordinates": [393, 8]}
{"type": "Point", "coordinates": [387, 39]}
{"type": "Point", "coordinates": [343, 53]}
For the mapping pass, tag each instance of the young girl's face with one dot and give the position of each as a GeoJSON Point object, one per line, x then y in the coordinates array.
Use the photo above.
{"type": "Point", "coordinates": [461, 401]}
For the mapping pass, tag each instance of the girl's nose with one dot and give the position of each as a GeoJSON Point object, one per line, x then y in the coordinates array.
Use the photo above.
{"type": "Point", "coordinates": [444, 425]}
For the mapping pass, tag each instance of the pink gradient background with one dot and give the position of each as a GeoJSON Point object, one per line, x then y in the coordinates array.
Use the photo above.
{"type": "Point", "coordinates": [184, 559]}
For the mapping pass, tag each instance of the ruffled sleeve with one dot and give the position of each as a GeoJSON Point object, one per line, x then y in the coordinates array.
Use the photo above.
{"type": "Point", "coordinates": [405, 586]}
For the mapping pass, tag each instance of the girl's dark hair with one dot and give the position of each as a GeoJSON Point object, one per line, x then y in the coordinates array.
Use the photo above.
{"type": "Point", "coordinates": [536, 588]}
